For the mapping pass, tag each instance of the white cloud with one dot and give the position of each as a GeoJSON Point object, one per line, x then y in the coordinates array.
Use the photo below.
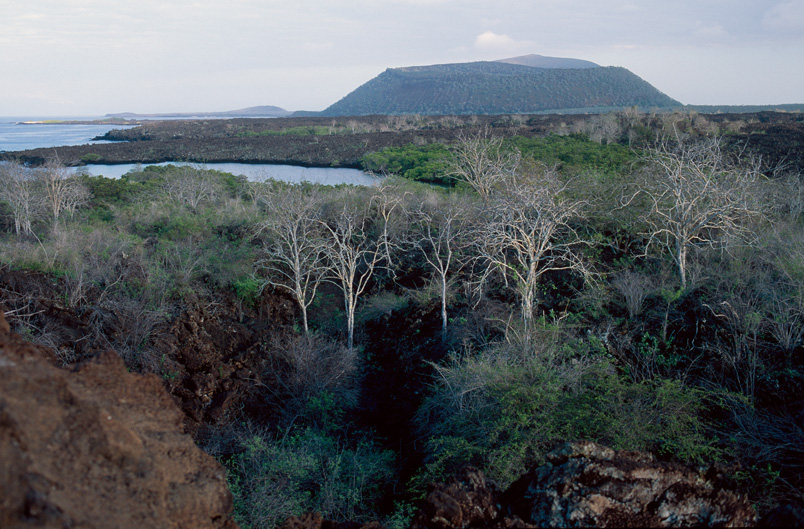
{"type": "Point", "coordinates": [491, 41]}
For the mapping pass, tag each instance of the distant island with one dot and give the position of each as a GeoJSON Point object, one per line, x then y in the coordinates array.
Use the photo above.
{"type": "Point", "coordinates": [264, 111]}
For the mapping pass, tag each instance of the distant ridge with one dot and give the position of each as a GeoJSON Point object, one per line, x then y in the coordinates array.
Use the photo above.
{"type": "Point", "coordinates": [746, 109]}
{"type": "Point", "coordinates": [540, 61]}
{"type": "Point", "coordinates": [265, 111]}
{"type": "Point", "coordinates": [501, 87]}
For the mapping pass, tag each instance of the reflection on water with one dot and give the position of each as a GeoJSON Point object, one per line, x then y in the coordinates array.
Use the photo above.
{"type": "Point", "coordinates": [257, 172]}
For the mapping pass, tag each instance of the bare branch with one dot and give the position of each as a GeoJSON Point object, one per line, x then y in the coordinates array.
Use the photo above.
{"type": "Point", "coordinates": [695, 198]}
{"type": "Point", "coordinates": [481, 161]}
{"type": "Point", "coordinates": [293, 257]}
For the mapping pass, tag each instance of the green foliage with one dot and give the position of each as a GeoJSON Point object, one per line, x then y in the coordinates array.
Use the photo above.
{"type": "Point", "coordinates": [100, 214]}
{"type": "Point", "coordinates": [502, 412]}
{"type": "Point", "coordinates": [90, 157]}
{"type": "Point", "coordinates": [173, 224]}
{"type": "Point", "coordinates": [248, 290]}
{"type": "Point", "coordinates": [308, 469]}
{"type": "Point", "coordinates": [575, 152]}
{"type": "Point", "coordinates": [107, 191]}
{"type": "Point", "coordinates": [424, 163]}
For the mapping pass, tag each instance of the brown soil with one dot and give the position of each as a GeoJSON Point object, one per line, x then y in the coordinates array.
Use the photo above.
{"type": "Point", "coordinates": [209, 353]}
{"type": "Point", "coordinates": [97, 446]}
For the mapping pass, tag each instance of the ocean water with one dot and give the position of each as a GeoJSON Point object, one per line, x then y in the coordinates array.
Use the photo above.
{"type": "Point", "coordinates": [17, 135]}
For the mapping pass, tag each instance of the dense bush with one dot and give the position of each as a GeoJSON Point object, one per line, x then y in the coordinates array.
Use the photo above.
{"type": "Point", "coordinates": [275, 476]}
{"type": "Point", "coordinates": [575, 153]}
{"type": "Point", "coordinates": [425, 163]}
{"type": "Point", "coordinates": [502, 410]}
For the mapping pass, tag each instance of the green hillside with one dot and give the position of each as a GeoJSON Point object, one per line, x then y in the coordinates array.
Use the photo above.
{"type": "Point", "coordinates": [499, 88]}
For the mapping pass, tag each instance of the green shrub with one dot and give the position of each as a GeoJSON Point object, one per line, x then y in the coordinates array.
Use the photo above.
{"type": "Point", "coordinates": [502, 413]}
{"type": "Point", "coordinates": [275, 477]}
{"type": "Point", "coordinates": [575, 151]}
{"type": "Point", "coordinates": [247, 289]}
{"type": "Point", "coordinates": [105, 191]}
{"type": "Point", "coordinates": [90, 157]}
{"type": "Point", "coordinates": [424, 163]}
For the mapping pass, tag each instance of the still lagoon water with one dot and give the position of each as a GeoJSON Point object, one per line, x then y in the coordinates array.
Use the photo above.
{"type": "Point", "coordinates": [258, 172]}
{"type": "Point", "coordinates": [16, 135]}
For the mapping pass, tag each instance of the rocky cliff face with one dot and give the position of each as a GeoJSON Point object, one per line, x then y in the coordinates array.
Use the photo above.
{"type": "Point", "coordinates": [587, 485]}
{"type": "Point", "coordinates": [582, 485]}
{"type": "Point", "coordinates": [97, 447]}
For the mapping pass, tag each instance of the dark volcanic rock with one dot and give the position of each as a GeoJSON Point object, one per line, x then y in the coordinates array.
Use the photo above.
{"type": "Point", "coordinates": [587, 485]}
{"type": "Point", "coordinates": [784, 516]}
{"type": "Point", "coordinates": [316, 521]}
{"type": "Point", "coordinates": [467, 500]}
{"type": "Point", "coordinates": [97, 447]}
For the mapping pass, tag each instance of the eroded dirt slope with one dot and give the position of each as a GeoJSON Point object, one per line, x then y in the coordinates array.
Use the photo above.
{"type": "Point", "coordinates": [97, 446]}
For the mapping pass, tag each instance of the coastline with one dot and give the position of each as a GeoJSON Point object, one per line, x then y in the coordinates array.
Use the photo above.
{"type": "Point", "coordinates": [113, 121]}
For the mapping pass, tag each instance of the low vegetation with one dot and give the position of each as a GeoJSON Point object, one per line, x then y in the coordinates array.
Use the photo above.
{"type": "Point", "coordinates": [543, 291]}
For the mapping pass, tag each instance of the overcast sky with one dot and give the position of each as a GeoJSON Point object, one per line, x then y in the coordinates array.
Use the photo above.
{"type": "Point", "coordinates": [90, 57]}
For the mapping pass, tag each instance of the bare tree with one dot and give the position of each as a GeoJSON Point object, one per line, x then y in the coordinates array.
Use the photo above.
{"type": "Point", "coordinates": [191, 185]}
{"type": "Point", "coordinates": [64, 193]}
{"type": "Point", "coordinates": [786, 323]}
{"type": "Point", "coordinates": [294, 254]}
{"type": "Point", "coordinates": [389, 200]}
{"type": "Point", "coordinates": [18, 189]}
{"type": "Point", "coordinates": [304, 366]}
{"type": "Point", "coordinates": [634, 288]}
{"type": "Point", "coordinates": [695, 198]}
{"type": "Point", "coordinates": [741, 321]}
{"type": "Point", "coordinates": [442, 234]}
{"type": "Point", "coordinates": [481, 161]}
{"type": "Point", "coordinates": [527, 233]}
{"type": "Point", "coordinates": [352, 254]}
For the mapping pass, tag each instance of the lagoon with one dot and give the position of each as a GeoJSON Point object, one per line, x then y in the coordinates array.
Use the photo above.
{"type": "Point", "coordinates": [15, 135]}
{"type": "Point", "coordinates": [256, 172]}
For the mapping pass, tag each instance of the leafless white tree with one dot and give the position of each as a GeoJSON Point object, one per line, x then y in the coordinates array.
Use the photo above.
{"type": "Point", "coordinates": [389, 200]}
{"type": "Point", "coordinates": [481, 161]}
{"type": "Point", "coordinates": [191, 185]}
{"type": "Point", "coordinates": [695, 198]}
{"type": "Point", "coordinates": [63, 192]}
{"type": "Point", "coordinates": [18, 189]}
{"type": "Point", "coordinates": [352, 254]}
{"type": "Point", "coordinates": [442, 232]}
{"type": "Point", "coordinates": [634, 288]}
{"type": "Point", "coordinates": [527, 232]}
{"type": "Point", "coordinates": [293, 256]}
